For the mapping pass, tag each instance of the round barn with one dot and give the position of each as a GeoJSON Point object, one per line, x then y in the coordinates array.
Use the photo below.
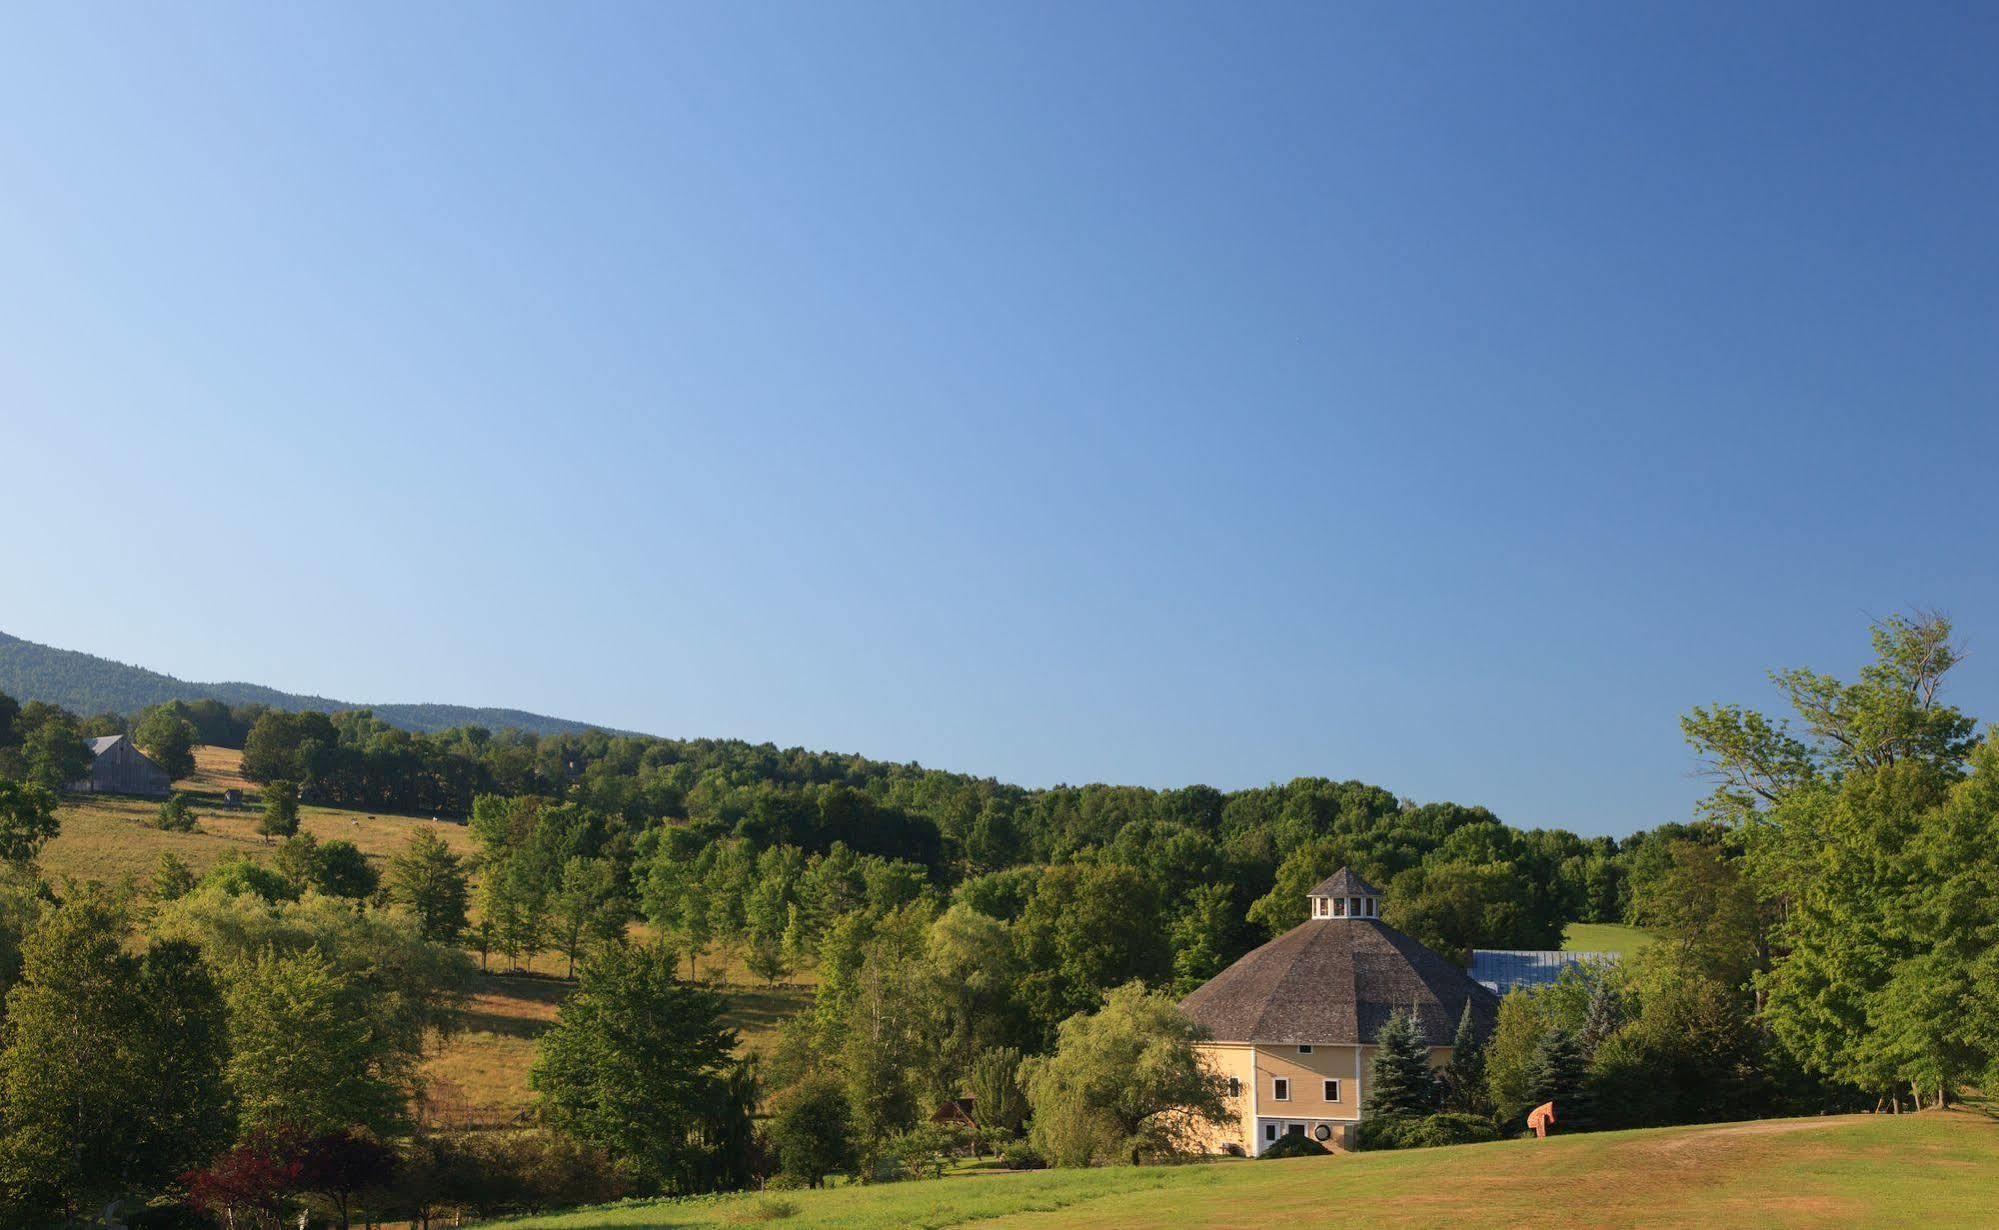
{"type": "Point", "coordinates": [1291, 1025]}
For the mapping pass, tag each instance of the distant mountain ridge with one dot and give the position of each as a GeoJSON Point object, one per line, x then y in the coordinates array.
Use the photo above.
{"type": "Point", "coordinates": [87, 684]}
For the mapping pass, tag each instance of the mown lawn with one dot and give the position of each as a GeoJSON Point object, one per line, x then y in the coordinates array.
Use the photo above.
{"type": "Point", "coordinates": [1935, 1169]}
{"type": "Point", "coordinates": [1604, 937]}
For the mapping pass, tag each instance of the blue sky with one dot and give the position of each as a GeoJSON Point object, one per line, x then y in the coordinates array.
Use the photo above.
{"type": "Point", "coordinates": [1443, 396]}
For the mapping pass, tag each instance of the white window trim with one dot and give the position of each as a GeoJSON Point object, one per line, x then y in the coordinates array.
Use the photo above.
{"type": "Point", "coordinates": [1304, 1048]}
{"type": "Point", "coordinates": [1331, 1089]}
{"type": "Point", "coordinates": [1280, 1089]}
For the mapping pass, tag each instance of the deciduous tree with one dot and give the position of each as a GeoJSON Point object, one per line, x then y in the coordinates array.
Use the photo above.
{"type": "Point", "coordinates": [1123, 1084]}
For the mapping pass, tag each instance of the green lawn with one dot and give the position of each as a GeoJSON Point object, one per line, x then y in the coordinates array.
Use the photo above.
{"type": "Point", "coordinates": [1604, 937]}
{"type": "Point", "coordinates": [1935, 1169]}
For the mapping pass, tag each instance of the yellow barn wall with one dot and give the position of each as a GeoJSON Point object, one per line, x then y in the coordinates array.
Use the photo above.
{"type": "Point", "coordinates": [1260, 1066]}
{"type": "Point", "coordinates": [1236, 1060]}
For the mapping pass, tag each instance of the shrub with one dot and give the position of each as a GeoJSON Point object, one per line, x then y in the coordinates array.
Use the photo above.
{"type": "Point", "coordinates": [922, 1152]}
{"type": "Point", "coordinates": [1294, 1145]}
{"type": "Point", "coordinates": [175, 815]}
{"type": "Point", "coordinates": [1021, 1156]}
{"type": "Point", "coordinates": [764, 1208]}
{"type": "Point", "coordinates": [1424, 1131]}
{"type": "Point", "coordinates": [812, 1129]}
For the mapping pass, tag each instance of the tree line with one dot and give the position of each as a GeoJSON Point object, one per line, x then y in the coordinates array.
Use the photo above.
{"type": "Point", "coordinates": [1825, 935]}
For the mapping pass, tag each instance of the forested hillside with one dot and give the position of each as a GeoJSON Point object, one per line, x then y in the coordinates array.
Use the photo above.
{"type": "Point", "coordinates": [1823, 939]}
{"type": "Point", "coordinates": [85, 683]}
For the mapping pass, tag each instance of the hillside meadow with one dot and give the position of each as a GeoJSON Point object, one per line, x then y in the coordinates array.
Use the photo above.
{"type": "Point", "coordinates": [1620, 938]}
{"type": "Point", "coordinates": [478, 1075]}
{"type": "Point", "coordinates": [1932, 1169]}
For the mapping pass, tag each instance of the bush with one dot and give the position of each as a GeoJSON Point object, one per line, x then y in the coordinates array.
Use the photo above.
{"type": "Point", "coordinates": [1020, 1156]}
{"type": "Point", "coordinates": [166, 1217]}
{"type": "Point", "coordinates": [1295, 1145]}
{"type": "Point", "coordinates": [175, 815]}
{"type": "Point", "coordinates": [785, 1183]}
{"type": "Point", "coordinates": [764, 1208]}
{"type": "Point", "coordinates": [920, 1153]}
{"type": "Point", "coordinates": [1424, 1131]}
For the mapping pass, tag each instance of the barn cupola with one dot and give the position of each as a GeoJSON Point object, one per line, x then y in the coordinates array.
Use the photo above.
{"type": "Point", "coordinates": [1345, 895]}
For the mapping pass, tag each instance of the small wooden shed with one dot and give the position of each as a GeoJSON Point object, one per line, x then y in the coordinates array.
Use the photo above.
{"type": "Point", "coordinates": [118, 767]}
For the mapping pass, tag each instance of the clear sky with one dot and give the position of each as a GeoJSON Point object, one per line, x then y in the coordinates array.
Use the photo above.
{"type": "Point", "coordinates": [1443, 396]}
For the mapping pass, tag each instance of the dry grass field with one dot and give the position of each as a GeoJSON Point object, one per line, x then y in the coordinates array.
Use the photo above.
{"type": "Point", "coordinates": [478, 1076]}
{"type": "Point", "coordinates": [108, 837]}
{"type": "Point", "coordinates": [1931, 1170]}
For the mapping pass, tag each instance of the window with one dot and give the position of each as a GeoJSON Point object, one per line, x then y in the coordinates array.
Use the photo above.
{"type": "Point", "coordinates": [1332, 1091]}
{"type": "Point", "coordinates": [1280, 1089]}
{"type": "Point", "coordinates": [1353, 906]}
{"type": "Point", "coordinates": [1372, 904]}
{"type": "Point", "coordinates": [1235, 1086]}
{"type": "Point", "coordinates": [1270, 1131]}
{"type": "Point", "coordinates": [1296, 1129]}
{"type": "Point", "coordinates": [1305, 1050]}
{"type": "Point", "coordinates": [1340, 907]}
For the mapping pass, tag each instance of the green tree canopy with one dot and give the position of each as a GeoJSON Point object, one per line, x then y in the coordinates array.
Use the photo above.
{"type": "Point", "coordinates": [636, 1063]}
{"type": "Point", "coordinates": [1400, 1079]}
{"type": "Point", "coordinates": [425, 877]}
{"type": "Point", "coordinates": [1124, 1083]}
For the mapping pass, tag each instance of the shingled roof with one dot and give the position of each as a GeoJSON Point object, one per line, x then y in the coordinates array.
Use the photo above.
{"type": "Point", "coordinates": [1336, 980]}
{"type": "Point", "coordinates": [1344, 883]}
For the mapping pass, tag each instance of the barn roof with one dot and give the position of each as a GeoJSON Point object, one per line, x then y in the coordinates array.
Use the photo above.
{"type": "Point", "coordinates": [1344, 883]}
{"type": "Point", "coordinates": [103, 743]}
{"type": "Point", "coordinates": [1336, 980]}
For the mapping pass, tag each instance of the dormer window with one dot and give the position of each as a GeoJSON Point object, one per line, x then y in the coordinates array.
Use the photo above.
{"type": "Point", "coordinates": [1339, 907]}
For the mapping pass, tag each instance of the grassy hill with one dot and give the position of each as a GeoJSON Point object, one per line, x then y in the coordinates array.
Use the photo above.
{"type": "Point", "coordinates": [1619, 938]}
{"type": "Point", "coordinates": [478, 1076]}
{"type": "Point", "coordinates": [87, 684]}
{"type": "Point", "coordinates": [1934, 1169]}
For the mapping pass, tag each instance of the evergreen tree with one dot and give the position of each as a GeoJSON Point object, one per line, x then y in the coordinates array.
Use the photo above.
{"type": "Point", "coordinates": [1464, 1079]}
{"type": "Point", "coordinates": [1605, 1014]}
{"type": "Point", "coordinates": [1557, 1073]}
{"type": "Point", "coordinates": [176, 815]}
{"type": "Point", "coordinates": [1400, 1079]}
{"type": "Point", "coordinates": [635, 1064]}
{"type": "Point", "coordinates": [172, 878]}
{"type": "Point", "coordinates": [425, 876]}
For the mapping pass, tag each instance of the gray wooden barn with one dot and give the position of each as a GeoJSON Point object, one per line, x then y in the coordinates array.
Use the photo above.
{"type": "Point", "coordinates": [117, 767]}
